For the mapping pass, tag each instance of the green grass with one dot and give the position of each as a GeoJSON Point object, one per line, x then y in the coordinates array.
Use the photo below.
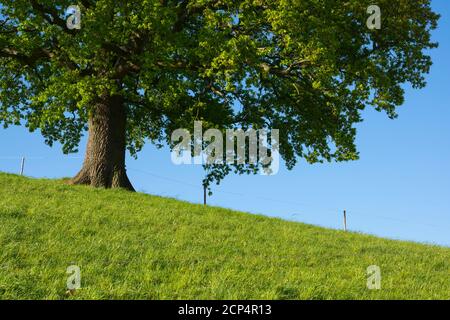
{"type": "Point", "coordinates": [136, 246]}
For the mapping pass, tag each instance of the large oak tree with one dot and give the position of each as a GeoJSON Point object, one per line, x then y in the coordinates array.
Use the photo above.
{"type": "Point", "coordinates": [138, 69]}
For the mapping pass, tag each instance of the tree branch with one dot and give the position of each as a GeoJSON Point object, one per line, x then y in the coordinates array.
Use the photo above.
{"type": "Point", "coordinates": [28, 60]}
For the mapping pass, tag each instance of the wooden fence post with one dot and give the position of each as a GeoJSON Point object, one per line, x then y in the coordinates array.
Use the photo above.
{"type": "Point", "coordinates": [204, 195]}
{"type": "Point", "coordinates": [345, 220]}
{"type": "Point", "coordinates": [22, 166]}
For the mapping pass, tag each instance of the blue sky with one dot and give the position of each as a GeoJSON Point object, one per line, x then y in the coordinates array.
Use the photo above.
{"type": "Point", "coordinates": [400, 188]}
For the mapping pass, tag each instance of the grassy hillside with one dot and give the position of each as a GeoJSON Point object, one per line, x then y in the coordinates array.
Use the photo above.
{"type": "Point", "coordinates": [145, 247]}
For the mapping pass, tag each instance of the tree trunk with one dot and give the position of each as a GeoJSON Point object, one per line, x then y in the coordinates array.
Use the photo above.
{"type": "Point", "coordinates": [104, 163]}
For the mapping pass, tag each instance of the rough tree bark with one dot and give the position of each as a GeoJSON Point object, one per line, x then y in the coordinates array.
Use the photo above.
{"type": "Point", "coordinates": [104, 162]}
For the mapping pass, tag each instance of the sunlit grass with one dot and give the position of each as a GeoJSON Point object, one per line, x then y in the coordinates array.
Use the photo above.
{"type": "Point", "coordinates": [136, 246]}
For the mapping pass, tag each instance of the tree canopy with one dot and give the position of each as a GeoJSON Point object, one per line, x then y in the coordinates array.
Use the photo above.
{"type": "Point", "coordinates": [305, 67]}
